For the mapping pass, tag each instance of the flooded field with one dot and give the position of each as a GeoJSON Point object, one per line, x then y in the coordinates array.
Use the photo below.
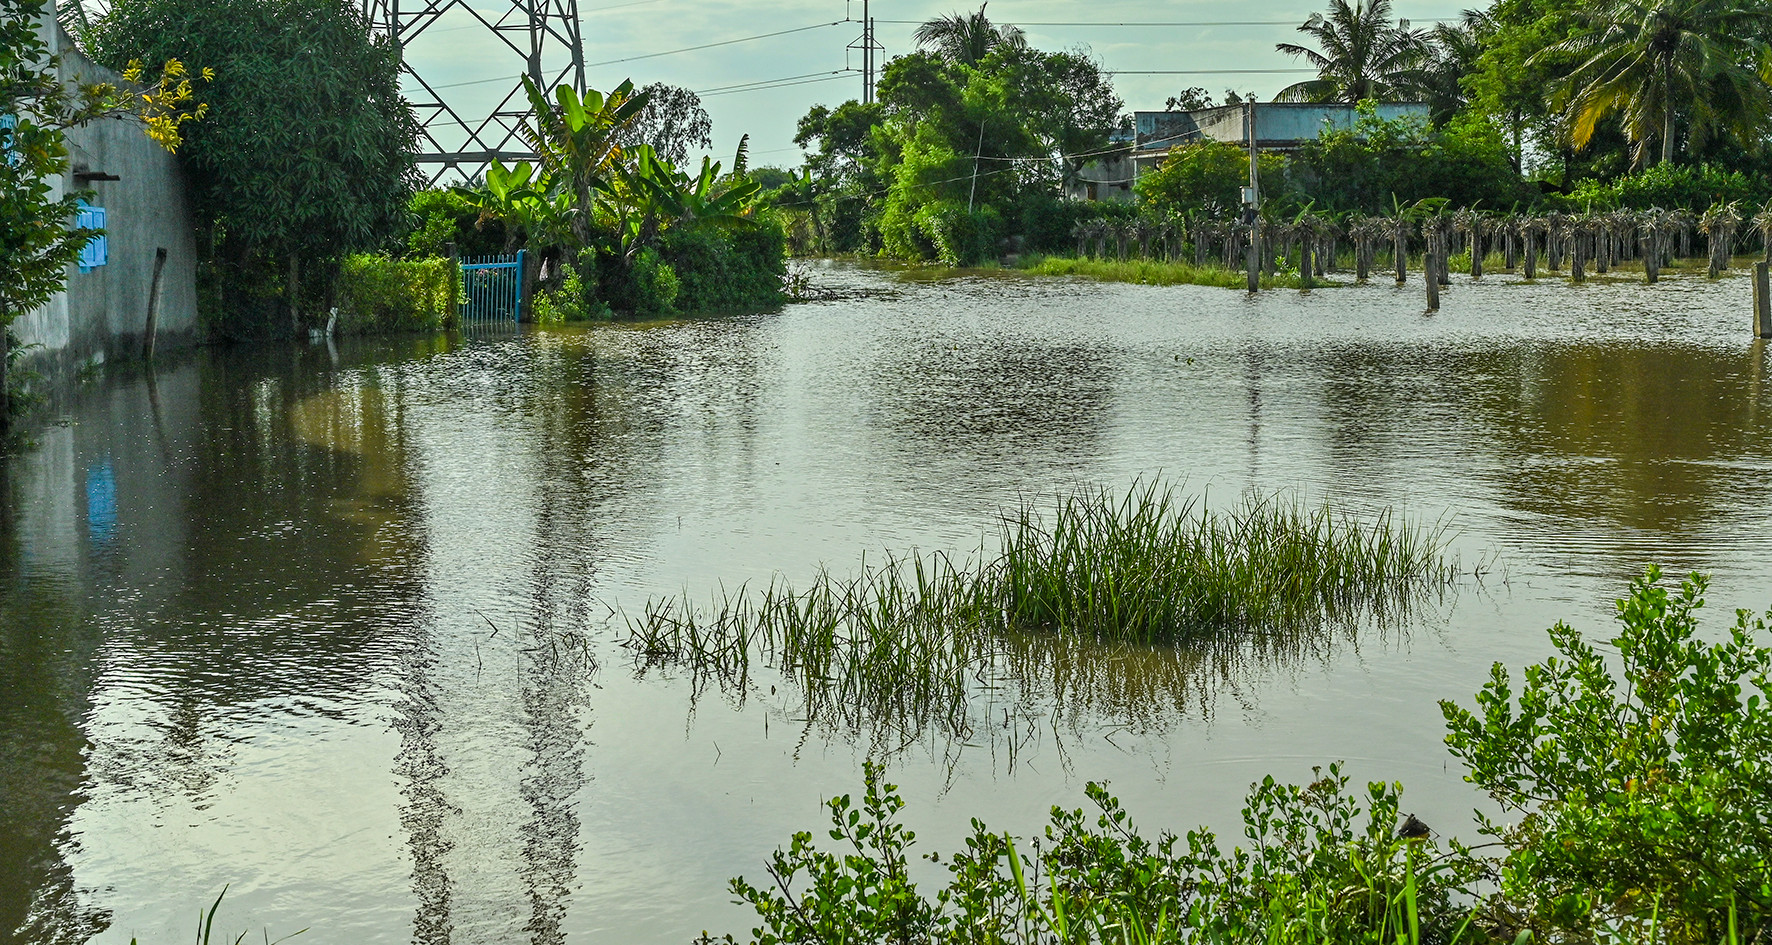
{"type": "Point", "coordinates": [338, 627]}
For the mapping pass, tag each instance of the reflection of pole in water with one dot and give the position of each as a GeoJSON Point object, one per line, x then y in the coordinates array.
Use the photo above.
{"type": "Point", "coordinates": [418, 763]}
{"type": "Point", "coordinates": [552, 777]}
{"type": "Point", "coordinates": [421, 766]}
{"type": "Point", "coordinates": [1756, 377]}
{"type": "Point", "coordinates": [557, 666]}
{"type": "Point", "coordinates": [1252, 364]}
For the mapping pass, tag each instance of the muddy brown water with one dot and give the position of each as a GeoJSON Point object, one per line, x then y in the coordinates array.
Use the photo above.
{"type": "Point", "coordinates": [332, 625]}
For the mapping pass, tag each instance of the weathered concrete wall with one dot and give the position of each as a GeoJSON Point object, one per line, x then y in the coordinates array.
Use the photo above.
{"type": "Point", "coordinates": [103, 312]}
{"type": "Point", "coordinates": [1278, 125]}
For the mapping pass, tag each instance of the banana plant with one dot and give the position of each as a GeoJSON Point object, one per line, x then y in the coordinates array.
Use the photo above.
{"type": "Point", "coordinates": [524, 200]}
{"type": "Point", "coordinates": [656, 196]}
{"type": "Point", "coordinates": [577, 141]}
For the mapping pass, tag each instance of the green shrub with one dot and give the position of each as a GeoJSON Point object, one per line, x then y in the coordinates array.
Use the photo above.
{"type": "Point", "coordinates": [1671, 187]}
{"type": "Point", "coordinates": [1646, 786]}
{"type": "Point", "coordinates": [1377, 161]}
{"type": "Point", "coordinates": [573, 299]}
{"type": "Point", "coordinates": [1326, 865]}
{"type": "Point", "coordinates": [656, 285]}
{"type": "Point", "coordinates": [732, 270]}
{"type": "Point", "coordinates": [1214, 172]}
{"type": "Point", "coordinates": [955, 236]}
{"type": "Point", "coordinates": [377, 294]}
{"type": "Point", "coordinates": [438, 218]}
{"type": "Point", "coordinates": [1048, 224]}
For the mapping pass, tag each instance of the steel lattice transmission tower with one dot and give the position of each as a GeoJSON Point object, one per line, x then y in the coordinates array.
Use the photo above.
{"type": "Point", "coordinates": [464, 125]}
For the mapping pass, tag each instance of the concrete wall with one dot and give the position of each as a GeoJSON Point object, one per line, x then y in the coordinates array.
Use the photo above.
{"type": "Point", "coordinates": [1278, 125]}
{"type": "Point", "coordinates": [102, 313]}
{"type": "Point", "coordinates": [1108, 177]}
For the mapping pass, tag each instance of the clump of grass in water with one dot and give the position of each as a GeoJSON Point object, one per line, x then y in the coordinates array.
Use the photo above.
{"type": "Point", "coordinates": [903, 641]}
{"type": "Point", "coordinates": [1148, 569]}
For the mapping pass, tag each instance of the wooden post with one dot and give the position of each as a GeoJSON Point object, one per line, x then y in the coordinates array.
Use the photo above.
{"type": "Point", "coordinates": [1443, 254]}
{"type": "Point", "coordinates": [1476, 253]}
{"type": "Point", "coordinates": [1651, 260]}
{"type": "Point", "coordinates": [529, 274]}
{"type": "Point", "coordinates": [1430, 267]}
{"type": "Point", "coordinates": [152, 328]}
{"type": "Point", "coordinates": [1531, 249]}
{"type": "Point", "coordinates": [1305, 269]}
{"type": "Point", "coordinates": [1576, 254]}
{"type": "Point", "coordinates": [294, 290]}
{"type": "Point", "coordinates": [1400, 254]}
{"type": "Point", "coordinates": [1762, 301]}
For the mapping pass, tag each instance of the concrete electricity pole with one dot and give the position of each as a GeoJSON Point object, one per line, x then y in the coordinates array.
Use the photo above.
{"type": "Point", "coordinates": [1252, 198]}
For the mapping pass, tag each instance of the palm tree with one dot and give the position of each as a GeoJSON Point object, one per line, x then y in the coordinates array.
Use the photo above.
{"type": "Point", "coordinates": [967, 38]}
{"type": "Point", "coordinates": [1647, 59]}
{"type": "Point", "coordinates": [1452, 51]}
{"type": "Point", "coordinates": [1362, 55]}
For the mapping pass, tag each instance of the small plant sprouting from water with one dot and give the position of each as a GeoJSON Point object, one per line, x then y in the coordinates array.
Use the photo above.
{"type": "Point", "coordinates": [906, 640]}
{"type": "Point", "coordinates": [206, 926]}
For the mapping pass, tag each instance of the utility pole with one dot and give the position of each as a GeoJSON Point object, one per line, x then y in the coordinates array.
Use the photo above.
{"type": "Point", "coordinates": [976, 157]}
{"type": "Point", "coordinates": [868, 48]}
{"type": "Point", "coordinates": [1252, 198]}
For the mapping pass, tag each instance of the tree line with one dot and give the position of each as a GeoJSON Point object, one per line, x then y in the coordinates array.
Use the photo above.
{"type": "Point", "coordinates": [1552, 105]}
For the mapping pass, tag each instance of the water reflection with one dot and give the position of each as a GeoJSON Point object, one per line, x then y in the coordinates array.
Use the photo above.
{"type": "Point", "coordinates": [997, 692]}
{"type": "Point", "coordinates": [329, 623]}
{"type": "Point", "coordinates": [994, 399]}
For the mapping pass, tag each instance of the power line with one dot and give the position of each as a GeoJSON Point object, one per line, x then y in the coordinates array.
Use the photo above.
{"type": "Point", "coordinates": [582, 14]}
{"type": "Point", "coordinates": [667, 52]}
{"type": "Point", "coordinates": [1205, 71]}
{"type": "Point", "coordinates": [724, 42]}
{"type": "Point", "coordinates": [1150, 23]}
{"type": "Point", "coordinates": [789, 79]}
{"type": "Point", "coordinates": [840, 74]}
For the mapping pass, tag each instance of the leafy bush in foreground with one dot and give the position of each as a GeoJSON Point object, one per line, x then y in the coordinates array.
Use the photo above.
{"type": "Point", "coordinates": [1325, 865]}
{"type": "Point", "coordinates": [1646, 797]}
{"type": "Point", "coordinates": [1646, 792]}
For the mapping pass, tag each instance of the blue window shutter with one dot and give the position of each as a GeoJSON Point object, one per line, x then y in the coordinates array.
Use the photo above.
{"type": "Point", "coordinates": [96, 252]}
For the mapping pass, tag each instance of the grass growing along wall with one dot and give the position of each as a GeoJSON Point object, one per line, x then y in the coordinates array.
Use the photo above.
{"type": "Point", "coordinates": [905, 640]}
{"type": "Point", "coordinates": [378, 294]}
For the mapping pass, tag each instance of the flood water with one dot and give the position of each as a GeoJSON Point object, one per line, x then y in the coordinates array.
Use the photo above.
{"type": "Point", "coordinates": [337, 627]}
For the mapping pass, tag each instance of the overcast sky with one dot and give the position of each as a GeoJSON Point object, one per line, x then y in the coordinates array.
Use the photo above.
{"type": "Point", "coordinates": [457, 51]}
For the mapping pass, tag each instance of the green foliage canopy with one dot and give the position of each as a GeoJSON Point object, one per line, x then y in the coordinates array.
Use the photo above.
{"type": "Point", "coordinates": [307, 152]}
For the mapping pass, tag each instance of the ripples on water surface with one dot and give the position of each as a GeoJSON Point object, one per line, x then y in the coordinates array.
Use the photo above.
{"type": "Point", "coordinates": [334, 626]}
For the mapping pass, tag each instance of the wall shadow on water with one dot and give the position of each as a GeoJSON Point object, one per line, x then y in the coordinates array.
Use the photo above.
{"type": "Point", "coordinates": [170, 546]}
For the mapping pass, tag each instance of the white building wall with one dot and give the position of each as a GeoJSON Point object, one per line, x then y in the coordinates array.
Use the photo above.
{"type": "Point", "coordinates": [102, 313]}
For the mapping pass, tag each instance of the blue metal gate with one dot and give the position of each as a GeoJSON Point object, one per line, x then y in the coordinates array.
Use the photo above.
{"type": "Point", "coordinates": [492, 289]}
